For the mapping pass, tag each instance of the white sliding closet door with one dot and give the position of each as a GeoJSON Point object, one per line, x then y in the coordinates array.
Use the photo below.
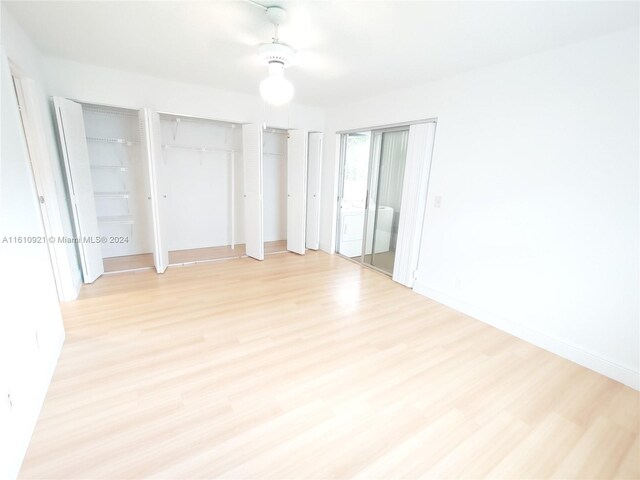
{"type": "Point", "coordinates": [313, 191]}
{"type": "Point", "coordinates": [296, 190]}
{"type": "Point", "coordinates": [414, 201]}
{"type": "Point", "coordinates": [152, 149]}
{"type": "Point", "coordinates": [78, 171]}
{"type": "Point", "coordinates": [253, 202]}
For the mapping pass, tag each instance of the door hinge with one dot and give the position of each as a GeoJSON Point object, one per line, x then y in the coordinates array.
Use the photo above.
{"type": "Point", "coordinates": [41, 199]}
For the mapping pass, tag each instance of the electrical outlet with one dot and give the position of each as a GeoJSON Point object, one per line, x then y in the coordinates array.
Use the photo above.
{"type": "Point", "coordinates": [9, 401]}
{"type": "Point", "coordinates": [457, 283]}
{"type": "Point", "coordinates": [437, 201]}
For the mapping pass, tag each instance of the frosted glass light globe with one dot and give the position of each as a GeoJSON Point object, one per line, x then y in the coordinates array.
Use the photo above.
{"type": "Point", "coordinates": [275, 89]}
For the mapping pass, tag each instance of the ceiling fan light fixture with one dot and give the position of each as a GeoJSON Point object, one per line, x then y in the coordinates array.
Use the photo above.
{"type": "Point", "coordinates": [275, 89]}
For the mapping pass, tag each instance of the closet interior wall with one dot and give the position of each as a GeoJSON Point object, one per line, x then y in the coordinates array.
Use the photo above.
{"type": "Point", "coordinates": [275, 189]}
{"type": "Point", "coordinates": [204, 208]}
{"type": "Point", "coordinates": [119, 175]}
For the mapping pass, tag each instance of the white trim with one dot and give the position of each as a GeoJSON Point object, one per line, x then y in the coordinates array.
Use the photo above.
{"type": "Point", "coordinates": [571, 352]}
{"type": "Point", "coordinates": [389, 126]}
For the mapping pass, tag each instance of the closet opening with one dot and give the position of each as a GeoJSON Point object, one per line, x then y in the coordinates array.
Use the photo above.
{"type": "Point", "coordinates": [275, 190]}
{"type": "Point", "coordinates": [202, 194]}
{"type": "Point", "coordinates": [119, 177]}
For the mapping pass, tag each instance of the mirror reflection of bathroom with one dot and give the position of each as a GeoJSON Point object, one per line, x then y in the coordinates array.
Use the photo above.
{"type": "Point", "coordinates": [354, 193]}
{"type": "Point", "coordinates": [385, 196]}
{"type": "Point", "coordinates": [373, 165]}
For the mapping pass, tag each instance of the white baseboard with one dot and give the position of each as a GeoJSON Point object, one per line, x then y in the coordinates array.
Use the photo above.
{"type": "Point", "coordinates": [576, 354]}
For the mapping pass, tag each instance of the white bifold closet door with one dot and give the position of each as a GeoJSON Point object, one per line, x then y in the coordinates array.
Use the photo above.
{"type": "Point", "coordinates": [253, 188]}
{"type": "Point", "coordinates": [296, 190]}
{"type": "Point", "coordinates": [78, 172]}
{"type": "Point", "coordinates": [313, 190]}
{"type": "Point", "coordinates": [152, 149]}
{"type": "Point", "coordinates": [414, 201]}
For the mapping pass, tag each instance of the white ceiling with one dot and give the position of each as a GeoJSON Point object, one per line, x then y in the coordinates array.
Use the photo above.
{"type": "Point", "coordinates": [347, 49]}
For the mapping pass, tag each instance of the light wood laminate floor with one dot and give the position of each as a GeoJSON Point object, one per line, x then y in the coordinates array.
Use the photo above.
{"type": "Point", "coordinates": [128, 262]}
{"type": "Point", "coordinates": [196, 255]}
{"type": "Point", "coordinates": [313, 367]}
{"type": "Point", "coordinates": [181, 257]}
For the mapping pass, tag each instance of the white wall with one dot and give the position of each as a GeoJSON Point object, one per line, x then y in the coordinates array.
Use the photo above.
{"type": "Point", "coordinates": [23, 53]}
{"type": "Point", "coordinates": [90, 83]}
{"type": "Point", "coordinates": [536, 161]}
{"type": "Point", "coordinates": [31, 330]}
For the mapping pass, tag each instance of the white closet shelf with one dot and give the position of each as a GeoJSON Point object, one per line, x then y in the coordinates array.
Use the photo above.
{"type": "Point", "coordinates": [112, 194]}
{"type": "Point", "coordinates": [121, 219]}
{"type": "Point", "coordinates": [273, 154]}
{"type": "Point", "coordinates": [110, 167]}
{"type": "Point", "coordinates": [106, 110]}
{"type": "Point", "coordinates": [122, 141]}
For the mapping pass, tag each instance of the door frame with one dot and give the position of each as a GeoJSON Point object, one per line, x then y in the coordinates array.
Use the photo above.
{"type": "Point", "coordinates": [341, 169]}
{"type": "Point", "coordinates": [341, 159]}
{"type": "Point", "coordinates": [40, 162]}
{"type": "Point", "coordinates": [373, 152]}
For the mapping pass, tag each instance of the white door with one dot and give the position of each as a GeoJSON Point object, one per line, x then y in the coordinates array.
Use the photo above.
{"type": "Point", "coordinates": [252, 175]}
{"type": "Point", "coordinates": [296, 190]}
{"type": "Point", "coordinates": [313, 191]}
{"type": "Point", "coordinates": [152, 148]}
{"type": "Point", "coordinates": [78, 171]}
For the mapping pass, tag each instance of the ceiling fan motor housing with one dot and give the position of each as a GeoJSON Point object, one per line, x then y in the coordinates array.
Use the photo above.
{"type": "Point", "coordinates": [276, 53]}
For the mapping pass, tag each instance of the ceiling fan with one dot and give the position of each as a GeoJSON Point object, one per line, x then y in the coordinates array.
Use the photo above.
{"type": "Point", "coordinates": [276, 89]}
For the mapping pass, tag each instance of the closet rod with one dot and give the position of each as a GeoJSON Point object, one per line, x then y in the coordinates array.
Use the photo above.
{"type": "Point", "coordinates": [275, 132]}
{"type": "Point", "coordinates": [198, 149]}
{"type": "Point", "coordinates": [171, 116]}
{"type": "Point", "coordinates": [206, 121]}
{"type": "Point", "coordinates": [110, 167]}
{"type": "Point", "coordinates": [122, 141]}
